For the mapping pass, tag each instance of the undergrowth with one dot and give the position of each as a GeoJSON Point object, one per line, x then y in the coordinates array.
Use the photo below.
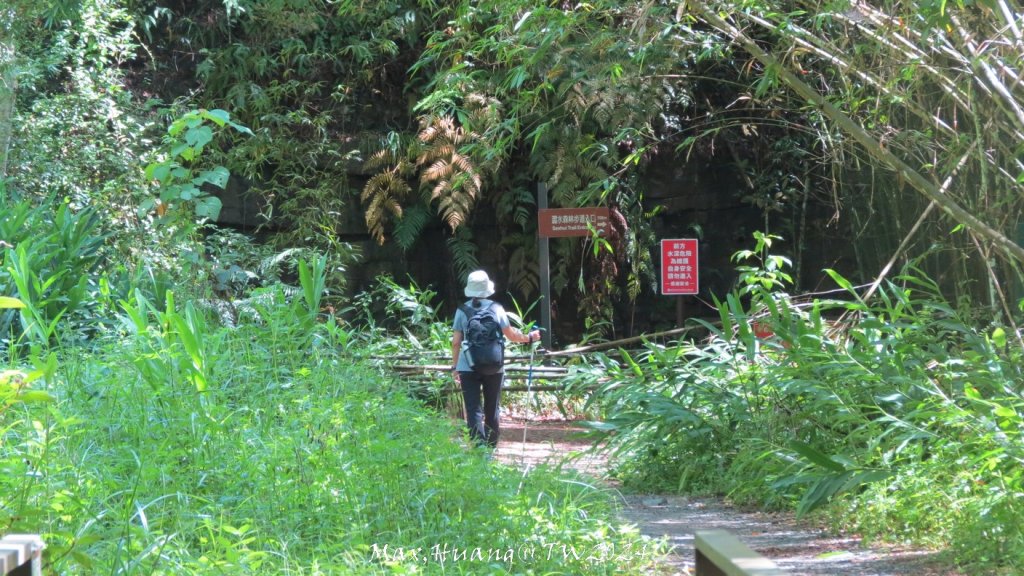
{"type": "Point", "coordinates": [898, 418]}
{"type": "Point", "coordinates": [175, 445]}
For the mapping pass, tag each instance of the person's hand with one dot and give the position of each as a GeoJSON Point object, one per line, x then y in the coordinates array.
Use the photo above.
{"type": "Point", "coordinates": [534, 336]}
{"type": "Point", "coordinates": [456, 377]}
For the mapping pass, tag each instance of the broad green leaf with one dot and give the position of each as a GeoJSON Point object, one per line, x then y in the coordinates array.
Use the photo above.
{"type": "Point", "coordinates": [815, 457]}
{"type": "Point", "coordinates": [637, 370]}
{"type": "Point", "coordinates": [999, 337]}
{"type": "Point", "coordinates": [1005, 411]}
{"type": "Point", "coordinates": [181, 149]}
{"type": "Point", "coordinates": [158, 171]}
{"type": "Point", "coordinates": [34, 396]}
{"type": "Point", "coordinates": [209, 207]}
{"type": "Point", "coordinates": [146, 207]}
{"type": "Point", "coordinates": [839, 280]}
{"type": "Point", "coordinates": [170, 193]}
{"type": "Point", "coordinates": [217, 116]}
{"type": "Point", "coordinates": [199, 137]}
{"type": "Point", "coordinates": [8, 302]}
{"type": "Point", "coordinates": [218, 176]}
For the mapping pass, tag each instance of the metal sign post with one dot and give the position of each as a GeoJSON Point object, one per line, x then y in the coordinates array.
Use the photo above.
{"type": "Point", "coordinates": [544, 264]}
{"type": "Point", "coordinates": [560, 223]}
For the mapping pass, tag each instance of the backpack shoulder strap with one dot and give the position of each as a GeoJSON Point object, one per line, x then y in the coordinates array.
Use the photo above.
{"type": "Point", "coordinates": [497, 325]}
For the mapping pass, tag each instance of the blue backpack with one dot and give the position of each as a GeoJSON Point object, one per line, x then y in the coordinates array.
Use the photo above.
{"type": "Point", "coordinates": [485, 348]}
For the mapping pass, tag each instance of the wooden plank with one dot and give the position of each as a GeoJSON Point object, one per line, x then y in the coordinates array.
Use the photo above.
{"type": "Point", "coordinates": [21, 554]}
{"type": "Point", "coordinates": [418, 368]}
{"type": "Point", "coordinates": [8, 558]}
{"type": "Point", "coordinates": [719, 553]}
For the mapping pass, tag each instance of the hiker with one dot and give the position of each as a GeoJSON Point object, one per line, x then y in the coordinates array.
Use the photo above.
{"type": "Point", "coordinates": [478, 340]}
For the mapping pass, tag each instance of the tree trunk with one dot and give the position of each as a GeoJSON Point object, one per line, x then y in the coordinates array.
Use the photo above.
{"type": "Point", "coordinates": [8, 90]}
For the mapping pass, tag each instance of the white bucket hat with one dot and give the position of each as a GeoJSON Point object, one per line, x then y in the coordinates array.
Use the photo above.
{"type": "Point", "coordinates": [478, 285]}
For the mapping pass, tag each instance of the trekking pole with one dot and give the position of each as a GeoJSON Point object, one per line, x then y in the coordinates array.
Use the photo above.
{"type": "Point", "coordinates": [529, 384]}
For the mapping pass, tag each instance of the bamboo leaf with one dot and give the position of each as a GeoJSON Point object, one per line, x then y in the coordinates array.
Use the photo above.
{"type": "Point", "coordinates": [9, 302]}
{"type": "Point", "coordinates": [816, 457]}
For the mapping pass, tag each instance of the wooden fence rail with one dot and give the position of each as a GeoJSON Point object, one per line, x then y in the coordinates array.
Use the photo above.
{"type": "Point", "coordinates": [719, 553]}
{"type": "Point", "coordinates": [21, 555]}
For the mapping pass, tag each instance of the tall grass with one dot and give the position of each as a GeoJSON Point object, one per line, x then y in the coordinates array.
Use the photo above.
{"type": "Point", "coordinates": [901, 420]}
{"type": "Point", "coordinates": [177, 446]}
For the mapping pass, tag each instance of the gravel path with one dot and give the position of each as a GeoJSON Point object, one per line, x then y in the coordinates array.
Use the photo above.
{"type": "Point", "coordinates": [796, 547]}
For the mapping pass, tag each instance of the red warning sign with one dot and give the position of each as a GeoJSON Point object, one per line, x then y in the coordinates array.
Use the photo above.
{"type": "Point", "coordinates": [679, 267]}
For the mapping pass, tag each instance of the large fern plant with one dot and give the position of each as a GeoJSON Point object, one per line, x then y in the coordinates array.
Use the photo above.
{"type": "Point", "coordinates": [450, 164]}
{"type": "Point", "coordinates": [447, 170]}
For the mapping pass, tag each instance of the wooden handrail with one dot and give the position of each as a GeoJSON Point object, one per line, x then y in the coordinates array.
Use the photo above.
{"type": "Point", "coordinates": [719, 553]}
{"type": "Point", "coordinates": [21, 555]}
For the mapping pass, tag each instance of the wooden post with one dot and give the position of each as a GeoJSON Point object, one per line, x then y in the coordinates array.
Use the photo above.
{"type": "Point", "coordinates": [719, 553]}
{"type": "Point", "coordinates": [21, 555]}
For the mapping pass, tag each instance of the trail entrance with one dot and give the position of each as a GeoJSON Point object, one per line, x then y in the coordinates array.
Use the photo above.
{"type": "Point", "coordinates": [797, 547]}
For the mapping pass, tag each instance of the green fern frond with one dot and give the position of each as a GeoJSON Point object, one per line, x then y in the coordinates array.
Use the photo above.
{"type": "Point", "coordinates": [518, 205]}
{"type": "Point", "coordinates": [410, 226]}
{"type": "Point", "coordinates": [463, 252]}
{"type": "Point", "coordinates": [271, 264]}
{"type": "Point", "coordinates": [633, 286]}
{"type": "Point", "coordinates": [524, 273]}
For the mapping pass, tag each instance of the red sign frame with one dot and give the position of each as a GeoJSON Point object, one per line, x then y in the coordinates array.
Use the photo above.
{"type": "Point", "coordinates": [679, 267]}
{"type": "Point", "coordinates": [569, 222]}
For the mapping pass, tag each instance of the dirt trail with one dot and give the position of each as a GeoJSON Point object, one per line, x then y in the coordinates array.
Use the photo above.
{"type": "Point", "coordinates": [795, 547]}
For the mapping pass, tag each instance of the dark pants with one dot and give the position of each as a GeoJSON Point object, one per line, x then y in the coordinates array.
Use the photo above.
{"type": "Point", "coordinates": [483, 424]}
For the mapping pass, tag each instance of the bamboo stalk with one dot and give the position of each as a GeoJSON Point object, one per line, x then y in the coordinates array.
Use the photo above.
{"type": "Point", "coordinates": [869, 143]}
{"type": "Point", "coordinates": [618, 343]}
{"type": "Point", "coordinates": [8, 94]}
{"type": "Point", "coordinates": [418, 368]}
{"type": "Point", "coordinates": [522, 389]}
{"type": "Point", "coordinates": [807, 40]}
{"type": "Point", "coordinates": [917, 225]}
{"type": "Point", "coordinates": [1007, 103]}
{"type": "Point", "coordinates": [910, 52]}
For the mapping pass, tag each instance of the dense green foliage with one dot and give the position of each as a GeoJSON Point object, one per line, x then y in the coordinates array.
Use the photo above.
{"type": "Point", "coordinates": [175, 446]}
{"type": "Point", "coordinates": [46, 263]}
{"type": "Point", "coordinates": [175, 402]}
{"type": "Point", "coordinates": [897, 414]}
{"type": "Point", "coordinates": [406, 109]}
